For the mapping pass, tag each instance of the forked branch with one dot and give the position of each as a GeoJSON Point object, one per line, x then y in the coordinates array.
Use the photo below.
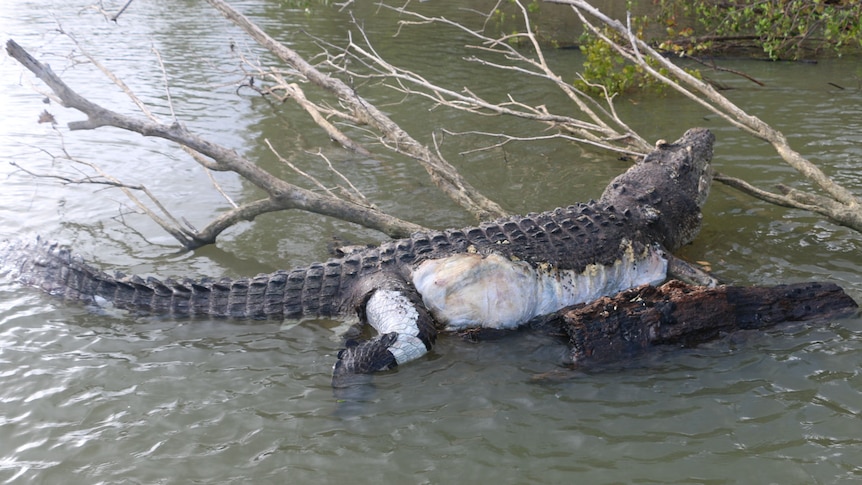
{"type": "Point", "coordinates": [444, 175]}
{"type": "Point", "coordinates": [594, 124]}
{"type": "Point", "coordinates": [281, 195]}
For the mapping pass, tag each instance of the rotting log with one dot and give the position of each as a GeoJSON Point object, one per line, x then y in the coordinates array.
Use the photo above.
{"type": "Point", "coordinates": [619, 327]}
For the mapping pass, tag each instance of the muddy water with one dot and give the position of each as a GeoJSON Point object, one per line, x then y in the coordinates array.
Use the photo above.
{"type": "Point", "coordinates": [98, 397]}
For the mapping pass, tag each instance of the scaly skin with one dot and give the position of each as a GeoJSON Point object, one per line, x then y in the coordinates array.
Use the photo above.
{"type": "Point", "coordinates": [655, 204]}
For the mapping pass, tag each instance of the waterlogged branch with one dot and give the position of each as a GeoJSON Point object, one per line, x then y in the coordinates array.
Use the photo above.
{"type": "Point", "coordinates": [839, 203]}
{"type": "Point", "coordinates": [281, 195]}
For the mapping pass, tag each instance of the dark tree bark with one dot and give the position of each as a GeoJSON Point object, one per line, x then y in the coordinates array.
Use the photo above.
{"type": "Point", "coordinates": [619, 327]}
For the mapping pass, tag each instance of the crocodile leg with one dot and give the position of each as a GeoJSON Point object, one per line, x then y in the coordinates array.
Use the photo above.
{"type": "Point", "coordinates": [406, 331]}
{"type": "Point", "coordinates": [391, 311]}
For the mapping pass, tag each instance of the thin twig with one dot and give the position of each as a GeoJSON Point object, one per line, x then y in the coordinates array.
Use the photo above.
{"type": "Point", "coordinates": [167, 84]}
{"type": "Point", "coordinates": [120, 12]}
{"type": "Point", "coordinates": [354, 193]}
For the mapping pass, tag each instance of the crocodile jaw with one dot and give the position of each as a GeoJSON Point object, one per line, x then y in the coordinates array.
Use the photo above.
{"type": "Point", "coordinates": [471, 290]}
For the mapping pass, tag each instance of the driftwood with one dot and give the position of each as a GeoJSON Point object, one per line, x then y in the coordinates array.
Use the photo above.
{"type": "Point", "coordinates": [615, 328]}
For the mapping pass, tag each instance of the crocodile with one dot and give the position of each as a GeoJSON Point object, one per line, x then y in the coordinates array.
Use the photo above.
{"type": "Point", "coordinates": [497, 275]}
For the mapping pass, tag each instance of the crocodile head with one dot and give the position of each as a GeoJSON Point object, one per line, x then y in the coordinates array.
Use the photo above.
{"type": "Point", "coordinates": [667, 189]}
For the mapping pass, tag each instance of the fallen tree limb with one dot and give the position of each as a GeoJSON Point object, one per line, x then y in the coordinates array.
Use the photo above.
{"type": "Point", "coordinates": [444, 175]}
{"type": "Point", "coordinates": [619, 327]}
{"type": "Point", "coordinates": [839, 204]}
{"type": "Point", "coordinates": [281, 195]}
{"type": "Point", "coordinates": [591, 122]}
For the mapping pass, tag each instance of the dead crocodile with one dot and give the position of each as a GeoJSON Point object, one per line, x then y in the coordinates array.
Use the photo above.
{"type": "Point", "coordinates": [499, 275]}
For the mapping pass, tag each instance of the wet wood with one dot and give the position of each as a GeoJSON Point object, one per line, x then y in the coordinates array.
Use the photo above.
{"type": "Point", "coordinates": [619, 327]}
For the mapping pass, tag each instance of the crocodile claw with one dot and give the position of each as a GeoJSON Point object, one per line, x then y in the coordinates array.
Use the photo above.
{"type": "Point", "coordinates": [363, 358]}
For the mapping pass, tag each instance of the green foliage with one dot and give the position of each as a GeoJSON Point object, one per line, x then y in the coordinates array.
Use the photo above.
{"type": "Point", "coordinates": [781, 29]}
{"type": "Point", "coordinates": [604, 67]}
{"type": "Point", "coordinates": [606, 70]}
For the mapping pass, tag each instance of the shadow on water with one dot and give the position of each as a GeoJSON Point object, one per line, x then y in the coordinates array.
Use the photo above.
{"type": "Point", "coordinates": [355, 397]}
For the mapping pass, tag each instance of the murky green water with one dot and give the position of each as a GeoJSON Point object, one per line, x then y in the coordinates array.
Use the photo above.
{"type": "Point", "coordinates": [88, 397]}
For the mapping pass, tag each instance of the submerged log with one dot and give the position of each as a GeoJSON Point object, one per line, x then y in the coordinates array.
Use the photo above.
{"type": "Point", "coordinates": [619, 327]}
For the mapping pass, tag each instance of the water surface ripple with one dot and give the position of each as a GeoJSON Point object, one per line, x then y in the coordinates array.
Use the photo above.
{"type": "Point", "coordinates": [94, 396]}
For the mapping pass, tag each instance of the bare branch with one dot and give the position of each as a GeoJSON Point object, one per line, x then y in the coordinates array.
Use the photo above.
{"type": "Point", "coordinates": [599, 126]}
{"type": "Point", "coordinates": [595, 121]}
{"type": "Point", "coordinates": [314, 111]}
{"type": "Point", "coordinates": [120, 12]}
{"type": "Point", "coordinates": [167, 84]}
{"type": "Point", "coordinates": [444, 175]}
{"type": "Point", "coordinates": [352, 193]}
{"type": "Point", "coordinates": [715, 67]}
{"type": "Point", "coordinates": [765, 195]}
{"type": "Point", "coordinates": [282, 195]}
{"type": "Point", "coordinates": [166, 221]}
{"type": "Point", "coordinates": [842, 206]}
{"type": "Point", "coordinates": [204, 162]}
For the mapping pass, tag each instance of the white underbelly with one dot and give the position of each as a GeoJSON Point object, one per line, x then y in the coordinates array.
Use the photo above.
{"type": "Point", "coordinates": [470, 290]}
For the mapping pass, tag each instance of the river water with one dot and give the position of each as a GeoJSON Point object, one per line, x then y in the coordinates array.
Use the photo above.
{"type": "Point", "coordinates": [91, 396]}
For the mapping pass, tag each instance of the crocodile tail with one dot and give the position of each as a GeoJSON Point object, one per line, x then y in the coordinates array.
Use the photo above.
{"type": "Point", "coordinates": [283, 294]}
